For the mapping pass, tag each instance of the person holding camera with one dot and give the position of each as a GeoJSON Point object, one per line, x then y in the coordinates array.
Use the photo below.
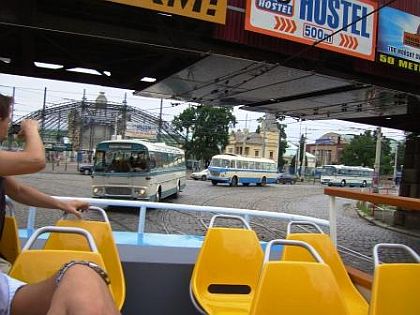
{"type": "Point", "coordinates": [78, 288]}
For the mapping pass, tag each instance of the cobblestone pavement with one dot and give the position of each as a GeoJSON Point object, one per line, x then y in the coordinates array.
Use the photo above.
{"type": "Point", "coordinates": [305, 199]}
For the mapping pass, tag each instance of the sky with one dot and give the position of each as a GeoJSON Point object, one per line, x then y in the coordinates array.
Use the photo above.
{"type": "Point", "coordinates": [29, 94]}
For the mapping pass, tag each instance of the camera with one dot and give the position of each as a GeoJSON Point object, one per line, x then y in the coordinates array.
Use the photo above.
{"type": "Point", "coordinates": [14, 129]}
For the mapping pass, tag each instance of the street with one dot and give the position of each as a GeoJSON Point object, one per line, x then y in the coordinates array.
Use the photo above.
{"type": "Point", "coordinates": [303, 198]}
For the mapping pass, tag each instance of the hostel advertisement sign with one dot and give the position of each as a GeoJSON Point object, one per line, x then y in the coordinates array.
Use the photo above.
{"type": "Point", "coordinates": [399, 39]}
{"type": "Point", "coordinates": [207, 10]}
{"type": "Point", "coordinates": [309, 21]}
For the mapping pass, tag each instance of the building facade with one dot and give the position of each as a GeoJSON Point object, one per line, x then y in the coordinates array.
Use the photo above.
{"type": "Point", "coordinates": [264, 144]}
{"type": "Point", "coordinates": [328, 148]}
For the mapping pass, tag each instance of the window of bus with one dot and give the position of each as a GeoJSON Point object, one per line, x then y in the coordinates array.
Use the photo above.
{"type": "Point", "coordinates": [120, 161]}
{"type": "Point", "coordinates": [221, 163]}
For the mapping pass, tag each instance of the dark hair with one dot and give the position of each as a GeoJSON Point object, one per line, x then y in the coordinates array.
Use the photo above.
{"type": "Point", "coordinates": [5, 103]}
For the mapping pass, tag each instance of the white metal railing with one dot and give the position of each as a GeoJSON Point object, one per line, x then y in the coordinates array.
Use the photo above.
{"type": "Point", "coordinates": [143, 206]}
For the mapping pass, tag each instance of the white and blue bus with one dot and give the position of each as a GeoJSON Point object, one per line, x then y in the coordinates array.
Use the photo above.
{"type": "Point", "coordinates": [233, 170]}
{"type": "Point", "coordinates": [138, 169]}
{"type": "Point", "coordinates": [341, 175]}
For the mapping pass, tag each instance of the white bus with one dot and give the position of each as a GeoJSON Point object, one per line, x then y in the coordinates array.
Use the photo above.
{"type": "Point", "coordinates": [233, 170]}
{"type": "Point", "coordinates": [137, 169]}
{"type": "Point", "coordinates": [341, 175]}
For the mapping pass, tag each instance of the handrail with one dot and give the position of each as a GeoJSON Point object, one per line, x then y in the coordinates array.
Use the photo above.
{"type": "Point", "coordinates": [144, 205]}
{"type": "Point", "coordinates": [412, 204]}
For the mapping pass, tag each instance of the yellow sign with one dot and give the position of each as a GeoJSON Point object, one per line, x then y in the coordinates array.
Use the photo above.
{"type": "Point", "coordinates": [207, 10]}
{"type": "Point", "coordinates": [399, 62]}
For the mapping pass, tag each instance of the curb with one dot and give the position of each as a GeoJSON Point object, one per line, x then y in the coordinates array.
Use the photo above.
{"type": "Point", "coordinates": [370, 219]}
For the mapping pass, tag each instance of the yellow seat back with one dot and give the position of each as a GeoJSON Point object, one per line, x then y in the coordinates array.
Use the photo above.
{"type": "Point", "coordinates": [37, 265]}
{"type": "Point", "coordinates": [10, 243]}
{"type": "Point", "coordinates": [324, 246]}
{"type": "Point", "coordinates": [104, 239]}
{"type": "Point", "coordinates": [230, 260]}
{"type": "Point", "coordinates": [33, 266]}
{"type": "Point", "coordinates": [396, 288]}
{"type": "Point", "coordinates": [297, 287]}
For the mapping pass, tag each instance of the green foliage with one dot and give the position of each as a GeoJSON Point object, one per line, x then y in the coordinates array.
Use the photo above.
{"type": "Point", "coordinates": [282, 144]}
{"type": "Point", "coordinates": [206, 129]}
{"type": "Point", "coordinates": [361, 152]}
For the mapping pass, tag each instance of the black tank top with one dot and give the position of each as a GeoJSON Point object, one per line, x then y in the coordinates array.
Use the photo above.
{"type": "Point", "coordinates": [2, 205]}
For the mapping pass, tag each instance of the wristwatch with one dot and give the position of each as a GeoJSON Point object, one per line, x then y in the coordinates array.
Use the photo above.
{"type": "Point", "coordinates": [102, 273]}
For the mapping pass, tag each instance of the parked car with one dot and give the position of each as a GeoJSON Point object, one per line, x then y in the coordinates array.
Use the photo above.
{"type": "Point", "coordinates": [202, 175]}
{"type": "Point", "coordinates": [86, 169]}
{"type": "Point", "coordinates": [284, 178]}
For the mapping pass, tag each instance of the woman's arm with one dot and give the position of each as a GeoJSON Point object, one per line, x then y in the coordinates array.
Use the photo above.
{"type": "Point", "coordinates": [30, 196]}
{"type": "Point", "coordinates": [31, 159]}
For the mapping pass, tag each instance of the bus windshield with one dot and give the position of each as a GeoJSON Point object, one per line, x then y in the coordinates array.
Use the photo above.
{"type": "Point", "coordinates": [121, 161]}
{"type": "Point", "coordinates": [220, 163]}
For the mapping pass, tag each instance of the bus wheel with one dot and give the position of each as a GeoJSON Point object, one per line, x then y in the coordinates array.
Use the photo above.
{"type": "Point", "coordinates": [263, 181]}
{"type": "Point", "coordinates": [178, 189]}
{"type": "Point", "coordinates": [364, 184]}
{"type": "Point", "coordinates": [213, 182]}
{"type": "Point", "coordinates": [158, 195]}
{"type": "Point", "coordinates": [343, 183]}
{"type": "Point", "coordinates": [234, 181]}
{"type": "Point", "coordinates": [245, 184]}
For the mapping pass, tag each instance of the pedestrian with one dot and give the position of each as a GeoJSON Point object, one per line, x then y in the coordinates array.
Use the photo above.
{"type": "Point", "coordinates": [78, 288]}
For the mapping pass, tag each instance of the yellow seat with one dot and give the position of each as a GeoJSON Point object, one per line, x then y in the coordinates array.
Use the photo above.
{"type": "Point", "coordinates": [32, 266]}
{"type": "Point", "coordinates": [324, 246]}
{"type": "Point", "coordinates": [10, 243]}
{"type": "Point", "coordinates": [102, 234]}
{"type": "Point", "coordinates": [297, 287]}
{"type": "Point", "coordinates": [396, 287]}
{"type": "Point", "coordinates": [227, 270]}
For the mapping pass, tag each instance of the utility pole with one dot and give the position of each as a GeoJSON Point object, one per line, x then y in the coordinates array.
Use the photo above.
{"type": "Point", "coordinates": [10, 140]}
{"type": "Point", "coordinates": [264, 135]}
{"type": "Point", "coordinates": [245, 135]}
{"type": "Point", "coordinates": [160, 121]}
{"type": "Point", "coordinates": [377, 166]}
{"type": "Point", "coordinates": [304, 152]}
{"type": "Point", "coordinates": [395, 163]}
{"type": "Point", "coordinates": [116, 126]}
{"type": "Point", "coordinates": [297, 160]}
{"type": "Point", "coordinates": [43, 115]}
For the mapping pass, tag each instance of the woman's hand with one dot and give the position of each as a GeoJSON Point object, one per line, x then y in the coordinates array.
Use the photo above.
{"type": "Point", "coordinates": [74, 206]}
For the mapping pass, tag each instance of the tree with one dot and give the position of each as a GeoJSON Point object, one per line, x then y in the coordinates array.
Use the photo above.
{"type": "Point", "coordinates": [282, 144]}
{"type": "Point", "coordinates": [361, 152]}
{"type": "Point", "coordinates": [206, 129]}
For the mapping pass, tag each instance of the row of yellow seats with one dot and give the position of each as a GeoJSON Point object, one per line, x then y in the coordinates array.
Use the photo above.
{"type": "Point", "coordinates": [232, 276]}
{"type": "Point", "coordinates": [68, 240]}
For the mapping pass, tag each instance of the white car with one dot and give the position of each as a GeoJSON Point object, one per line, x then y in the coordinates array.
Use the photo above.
{"type": "Point", "coordinates": [202, 175]}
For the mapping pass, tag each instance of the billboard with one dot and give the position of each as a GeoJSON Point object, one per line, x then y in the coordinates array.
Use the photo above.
{"type": "Point", "coordinates": [309, 21]}
{"type": "Point", "coordinates": [399, 39]}
{"type": "Point", "coordinates": [141, 130]}
{"type": "Point", "coordinates": [207, 10]}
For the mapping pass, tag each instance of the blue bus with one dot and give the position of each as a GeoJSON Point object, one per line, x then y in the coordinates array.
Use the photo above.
{"type": "Point", "coordinates": [234, 169]}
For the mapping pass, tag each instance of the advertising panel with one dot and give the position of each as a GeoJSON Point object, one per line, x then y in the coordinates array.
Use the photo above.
{"type": "Point", "coordinates": [207, 10]}
{"type": "Point", "coordinates": [141, 130]}
{"type": "Point", "coordinates": [399, 39]}
{"type": "Point", "coordinates": [309, 21]}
